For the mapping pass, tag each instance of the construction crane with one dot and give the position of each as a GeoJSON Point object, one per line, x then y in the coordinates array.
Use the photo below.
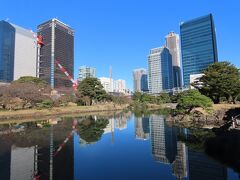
{"type": "Point", "coordinates": [74, 83]}
{"type": "Point", "coordinates": [40, 43]}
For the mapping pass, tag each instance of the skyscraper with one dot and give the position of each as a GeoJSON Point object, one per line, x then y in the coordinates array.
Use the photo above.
{"type": "Point", "coordinates": [140, 80]}
{"type": "Point", "coordinates": [199, 47]}
{"type": "Point", "coordinates": [17, 52]}
{"type": "Point", "coordinates": [58, 41]}
{"type": "Point", "coordinates": [160, 70]}
{"type": "Point", "coordinates": [172, 43]}
{"type": "Point", "coordinates": [85, 71]}
{"type": "Point", "coordinates": [7, 45]}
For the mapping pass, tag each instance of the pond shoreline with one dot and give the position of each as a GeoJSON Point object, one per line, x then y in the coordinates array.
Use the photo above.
{"type": "Point", "coordinates": [199, 118]}
{"type": "Point", "coordinates": [58, 111]}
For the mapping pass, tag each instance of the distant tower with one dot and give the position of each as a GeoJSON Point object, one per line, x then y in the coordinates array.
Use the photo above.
{"type": "Point", "coordinates": [111, 80]}
{"type": "Point", "coordinates": [172, 43]}
{"type": "Point", "coordinates": [58, 41]}
{"type": "Point", "coordinates": [140, 80]}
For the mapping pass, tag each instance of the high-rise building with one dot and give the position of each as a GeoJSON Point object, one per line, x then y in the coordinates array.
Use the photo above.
{"type": "Point", "coordinates": [107, 84]}
{"type": "Point", "coordinates": [140, 80]}
{"type": "Point", "coordinates": [119, 86]}
{"type": "Point", "coordinates": [172, 43]}
{"type": "Point", "coordinates": [110, 85]}
{"type": "Point", "coordinates": [58, 39]}
{"type": "Point", "coordinates": [85, 71]}
{"type": "Point", "coordinates": [160, 70]}
{"type": "Point", "coordinates": [199, 47]}
{"type": "Point", "coordinates": [18, 52]}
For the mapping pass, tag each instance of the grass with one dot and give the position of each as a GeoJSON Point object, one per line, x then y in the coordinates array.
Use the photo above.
{"type": "Point", "coordinates": [35, 113]}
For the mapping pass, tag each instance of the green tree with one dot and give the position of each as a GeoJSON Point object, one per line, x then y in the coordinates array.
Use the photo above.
{"type": "Point", "coordinates": [192, 99]}
{"type": "Point", "coordinates": [91, 89]}
{"type": "Point", "coordinates": [163, 98]}
{"type": "Point", "coordinates": [91, 130]}
{"type": "Point", "coordinates": [30, 79]}
{"type": "Point", "coordinates": [220, 80]}
{"type": "Point", "coordinates": [137, 97]}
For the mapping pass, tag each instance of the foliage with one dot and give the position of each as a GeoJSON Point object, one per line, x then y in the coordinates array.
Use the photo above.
{"type": "Point", "coordinates": [195, 140]}
{"type": "Point", "coordinates": [220, 79]}
{"type": "Point", "coordinates": [192, 99]}
{"type": "Point", "coordinates": [119, 99]}
{"type": "Point", "coordinates": [28, 93]}
{"type": "Point", "coordinates": [30, 79]}
{"type": "Point", "coordinates": [91, 130]}
{"type": "Point", "coordinates": [146, 98]}
{"type": "Point", "coordinates": [65, 99]}
{"type": "Point", "coordinates": [45, 104]}
{"type": "Point", "coordinates": [91, 89]}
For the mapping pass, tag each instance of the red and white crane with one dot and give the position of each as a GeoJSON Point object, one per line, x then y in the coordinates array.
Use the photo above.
{"type": "Point", "coordinates": [39, 45]}
{"type": "Point", "coordinates": [74, 83]}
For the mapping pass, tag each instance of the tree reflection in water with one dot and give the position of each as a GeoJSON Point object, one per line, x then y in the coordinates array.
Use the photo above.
{"type": "Point", "coordinates": [91, 130]}
{"type": "Point", "coordinates": [225, 148]}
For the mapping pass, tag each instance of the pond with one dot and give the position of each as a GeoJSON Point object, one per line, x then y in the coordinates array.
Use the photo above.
{"type": "Point", "coordinates": [118, 147]}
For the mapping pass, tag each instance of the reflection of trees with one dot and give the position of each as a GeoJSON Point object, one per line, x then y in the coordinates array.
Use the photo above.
{"type": "Point", "coordinates": [225, 148]}
{"type": "Point", "coordinates": [196, 138]}
{"type": "Point", "coordinates": [91, 130]}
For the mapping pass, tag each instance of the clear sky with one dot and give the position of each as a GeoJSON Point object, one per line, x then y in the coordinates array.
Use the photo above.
{"type": "Point", "coordinates": [120, 33]}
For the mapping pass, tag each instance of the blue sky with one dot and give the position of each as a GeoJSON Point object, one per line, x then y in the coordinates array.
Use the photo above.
{"type": "Point", "coordinates": [120, 33]}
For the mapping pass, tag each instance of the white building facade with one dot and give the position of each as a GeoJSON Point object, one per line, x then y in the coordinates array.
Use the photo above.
{"type": "Point", "coordinates": [160, 70]}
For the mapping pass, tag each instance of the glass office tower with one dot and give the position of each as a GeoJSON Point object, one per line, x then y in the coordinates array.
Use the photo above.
{"type": "Point", "coordinates": [199, 47]}
{"type": "Point", "coordinates": [7, 48]}
{"type": "Point", "coordinates": [58, 39]}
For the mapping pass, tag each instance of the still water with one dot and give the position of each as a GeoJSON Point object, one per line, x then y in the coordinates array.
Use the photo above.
{"type": "Point", "coordinates": [118, 147]}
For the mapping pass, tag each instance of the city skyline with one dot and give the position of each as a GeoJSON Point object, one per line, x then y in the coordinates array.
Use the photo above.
{"type": "Point", "coordinates": [99, 37]}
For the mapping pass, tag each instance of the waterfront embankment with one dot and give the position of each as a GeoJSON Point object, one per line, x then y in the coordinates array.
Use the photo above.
{"type": "Point", "coordinates": [58, 111]}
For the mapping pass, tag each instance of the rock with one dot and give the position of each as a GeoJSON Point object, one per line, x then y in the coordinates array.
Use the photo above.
{"type": "Point", "coordinates": [14, 104]}
{"type": "Point", "coordinates": [27, 106]}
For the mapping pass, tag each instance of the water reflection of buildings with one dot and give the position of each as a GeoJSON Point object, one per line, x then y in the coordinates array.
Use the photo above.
{"type": "Point", "coordinates": [166, 149]}
{"type": "Point", "coordinates": [110, 127]}
{"type": "Point", "coordinates": [21, 158]}
{"type": "Point", "coordinates": [202, 167]}
{"type": "Point", "coordinates": [142, 128]}
{"type": "Point", "coordinates": [121, 120]}
{"type": "Point", "coordinates": [180, 164]}
{"type": "Point", "coordinates": [23, 162]}
{"type": "Point", "coordinates": [164, 140]}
